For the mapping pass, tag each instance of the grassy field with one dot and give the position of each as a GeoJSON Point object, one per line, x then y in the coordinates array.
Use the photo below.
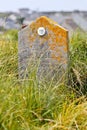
{"type": "Point", "coordinates": [25, 105]}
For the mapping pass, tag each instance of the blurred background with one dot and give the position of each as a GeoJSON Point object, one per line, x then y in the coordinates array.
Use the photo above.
{"type": "Point", "coordinates": [70, 14]}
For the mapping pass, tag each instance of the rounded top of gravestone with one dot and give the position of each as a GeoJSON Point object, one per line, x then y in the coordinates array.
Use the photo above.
{"type": "Point", "coordinates": [46, 31]}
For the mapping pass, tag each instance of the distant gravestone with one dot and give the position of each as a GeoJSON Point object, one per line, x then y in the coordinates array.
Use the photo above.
{"type": "Point", "coordinates": [47, 42]}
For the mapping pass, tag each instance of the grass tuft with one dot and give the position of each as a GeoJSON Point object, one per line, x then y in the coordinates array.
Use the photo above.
{"type": "Point", "coordinates": [27, 105]}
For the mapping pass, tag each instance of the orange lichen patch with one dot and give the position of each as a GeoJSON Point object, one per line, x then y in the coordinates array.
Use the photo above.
{"type": "Point", "coordinates": [53, 46]}
{"type": "Point", "coordinates": [56, 57]}
{"type": "Point", "coordinates": [50, 25]}
{"type": "Point", "coordinates": [65, 48]}
{"type": "Point", "coordinates": [32, 38]}
{"type": "Point", "coordinates": [44, 19]}
{"type": "Point", "coordinates": [56, 35]}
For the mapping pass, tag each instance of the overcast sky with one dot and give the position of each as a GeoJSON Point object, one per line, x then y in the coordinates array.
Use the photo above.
{"type": "Point", "coordinates": [43, 5]}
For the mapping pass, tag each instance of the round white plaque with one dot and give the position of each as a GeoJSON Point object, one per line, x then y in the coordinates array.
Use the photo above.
{"type": "Point", "coordinates": [41, 31]}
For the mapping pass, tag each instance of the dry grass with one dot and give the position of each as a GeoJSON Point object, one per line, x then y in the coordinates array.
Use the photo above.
{"type": "Point", "coordinates": [26, 106]}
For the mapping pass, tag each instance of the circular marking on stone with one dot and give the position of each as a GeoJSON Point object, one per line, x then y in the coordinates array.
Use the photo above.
{"type": "Point", "coordinates": [41, 31]}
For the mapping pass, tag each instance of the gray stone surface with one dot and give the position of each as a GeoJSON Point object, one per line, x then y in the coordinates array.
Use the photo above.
{"type": "Point", "coordinates": [49, 52]}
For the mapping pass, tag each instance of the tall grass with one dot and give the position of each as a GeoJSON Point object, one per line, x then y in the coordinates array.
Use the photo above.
{"type": "Point", "coordinates": [27, 105]}
{"type": "Point", "coordinates": [78, 62]}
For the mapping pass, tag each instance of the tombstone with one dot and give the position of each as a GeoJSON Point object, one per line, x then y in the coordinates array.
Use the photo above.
{"type": "Point", "coordinates": [47, 42]}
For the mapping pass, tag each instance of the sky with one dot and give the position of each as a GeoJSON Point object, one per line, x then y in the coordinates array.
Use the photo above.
{"type": "Point", "coordinates": [43, 5]}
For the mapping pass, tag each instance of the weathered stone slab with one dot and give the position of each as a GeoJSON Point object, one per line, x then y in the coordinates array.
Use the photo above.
{"type": "Point", "coordinates": [47, 42]}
